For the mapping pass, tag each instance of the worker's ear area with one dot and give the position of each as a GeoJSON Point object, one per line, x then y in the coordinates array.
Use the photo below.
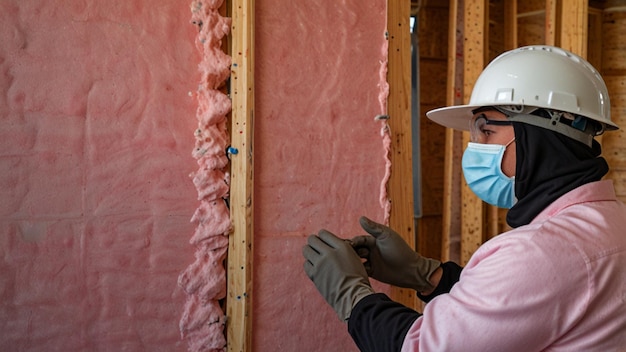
{"type": "Point", "coordinates": [518, 133]}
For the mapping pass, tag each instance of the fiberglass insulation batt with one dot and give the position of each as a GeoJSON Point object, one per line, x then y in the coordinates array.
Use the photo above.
{"type": "Point", "coordinates": [319, 155]}
{"type": "Point", "coordinates": [97, 109]}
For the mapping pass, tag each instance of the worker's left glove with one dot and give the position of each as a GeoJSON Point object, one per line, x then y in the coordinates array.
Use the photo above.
{"type": "Point", "coordinates": [337, 272]}
{"type": "Point", "coordinates": [389, 259]}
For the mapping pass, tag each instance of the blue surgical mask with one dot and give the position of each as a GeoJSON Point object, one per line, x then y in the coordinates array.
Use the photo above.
{"type": "Point", "coordinates": [482, 167]}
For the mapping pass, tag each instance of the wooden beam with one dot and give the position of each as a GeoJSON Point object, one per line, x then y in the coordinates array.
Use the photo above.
{"type": "Point", "coordinates": [510, 24]}
{"type": "Point", "coordinates": [240, 249]}
{"type": "Point", "coordinates": [451, 164]}
{"type": "Point", "coordinates": [474, 56]}
{"type": "Point", "coordinates": [552, 25]}
{"type": "Point", "coordinates": [594, 38]}
{"type": "Point", "coordinates": [573, 26]}
{"type": "Point", "coordinates": [594, 49]}
{"type": "Point", "coordinates": [432, 31]}
{"type": "Point", "coordinates": [399, 110]}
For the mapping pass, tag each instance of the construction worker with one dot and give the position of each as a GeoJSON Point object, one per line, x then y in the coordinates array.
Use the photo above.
{"type": "Point", "coordinates": [557, 281]}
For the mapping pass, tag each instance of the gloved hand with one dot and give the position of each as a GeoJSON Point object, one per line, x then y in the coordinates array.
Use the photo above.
{"type": "Point", "coordinates": [337, 272]}
{"type": "Point", "coordinates": [389, 259]}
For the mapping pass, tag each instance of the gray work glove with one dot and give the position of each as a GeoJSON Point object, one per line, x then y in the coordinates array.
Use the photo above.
{"type": "Point", "coordinates": [337, 272]}
{"type": "Point", "coordinates": [389, 259]}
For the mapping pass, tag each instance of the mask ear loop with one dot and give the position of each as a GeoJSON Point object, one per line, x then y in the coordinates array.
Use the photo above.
{"type": "Point", "coordinates": [502, 158]}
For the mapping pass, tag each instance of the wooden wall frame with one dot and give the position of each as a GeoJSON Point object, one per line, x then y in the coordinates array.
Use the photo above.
{"type": "Point", "coordinates": [475, 51]}
{"type": "Point", "coordinates": [240, 246]}
{"type": "Point", "coordinates": [240, 252]}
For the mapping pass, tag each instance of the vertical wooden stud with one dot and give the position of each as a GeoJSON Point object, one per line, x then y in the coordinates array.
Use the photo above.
{"type": "Point", "coordinates": [474, 52]}
{"type": "Point", "coordinates": [510, 24]}
{"type": "Point", "coordinates": [573, 26]}
{"type": "Point", "coordinates": [594, 45]}
{"type": "Point", "coordinates": [399, 110]}
{"type": "Point", "coordinates": [594, 38]}
{"type": "Point", "coordinates": [614, 73]}
{"type": "Point", "coordinates": [450, 225]}
{"type": "Point", "coordinates": [432, 19]}
{"type": "Point", "coordinates": [552, 26]}
{"type": "Point", "coordinates": [448, 156]}
{"type": "Point", "coordinates": [240, 249]}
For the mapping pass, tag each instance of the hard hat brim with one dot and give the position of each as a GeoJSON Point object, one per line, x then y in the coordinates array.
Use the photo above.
{"type": "Point", "coordinates": [456, 117]}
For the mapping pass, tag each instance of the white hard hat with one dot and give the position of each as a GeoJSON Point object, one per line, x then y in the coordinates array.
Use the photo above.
{"type": "Point", "coordinates": [535, 76]}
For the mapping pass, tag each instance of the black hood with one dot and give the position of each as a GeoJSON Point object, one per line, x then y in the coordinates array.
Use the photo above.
{"type": "Point", "coordinates": [549, 165]}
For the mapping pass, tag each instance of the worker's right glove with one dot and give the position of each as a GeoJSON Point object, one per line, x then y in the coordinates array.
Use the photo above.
{"type": "Point", "coordinates": [389, 259]}
{"type": "Point", "coordinates": [337, 272]}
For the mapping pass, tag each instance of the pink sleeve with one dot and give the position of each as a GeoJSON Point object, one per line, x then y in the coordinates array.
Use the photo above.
{"type": "Point", "coordinates": [510, 298]}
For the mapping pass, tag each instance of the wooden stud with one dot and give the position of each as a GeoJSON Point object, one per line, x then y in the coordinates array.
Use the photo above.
{"type": "Point", "coordinates": [510, 24]}
{"type": "Point", "coordinates": [594, 38]}
{"type": "Point", "coordinates": [594, 44]}
{"type": "Point", "coordinates": [432, 18]}
{"type": "Point", "coordinates": [450, 224]}
{"type": "Point", "coordinates": [492, 221]}
{"type": "Point", "coordinates": [552, 26]}
{"type": "Point", "coordinates": [614, 72]}
{"type": "Point", "coordinates": [573, 21]}
{"type": "Point", "coordinates": [399, 110]}
{"type": "Point", "coordinates": [240, 249]}
{"type": "Point", "coordinates": [472, 213]}
{"type": "Point", "coordinates": [507, 21]}
{"type": "Point", "coordinates": [448, 165]}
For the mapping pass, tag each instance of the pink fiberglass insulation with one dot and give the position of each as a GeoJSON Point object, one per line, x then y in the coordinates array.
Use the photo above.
{"type": "Point", "coordinates": [319, 159]}
{"type": "Point", "coordinates": [202, 323]}
{"type": "Point", "coordinates": [385, 133]}
{"type": "Point", "coordinates": [97, 100]}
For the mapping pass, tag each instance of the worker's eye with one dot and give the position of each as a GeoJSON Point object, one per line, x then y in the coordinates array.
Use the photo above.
{"type": "Point", "coordinates": [481, 127]}
{"type": "Point", "coordinates": [486, 132]}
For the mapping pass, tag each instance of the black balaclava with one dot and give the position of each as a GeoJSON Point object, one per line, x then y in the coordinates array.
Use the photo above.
{"type": "Point", "coordinates": [549, 165]}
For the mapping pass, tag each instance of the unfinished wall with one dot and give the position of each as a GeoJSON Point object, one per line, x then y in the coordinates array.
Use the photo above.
{"type": "Point", "coordinates": [319, 155]}
{"type": "Point", "coordinates": [97, 106]}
